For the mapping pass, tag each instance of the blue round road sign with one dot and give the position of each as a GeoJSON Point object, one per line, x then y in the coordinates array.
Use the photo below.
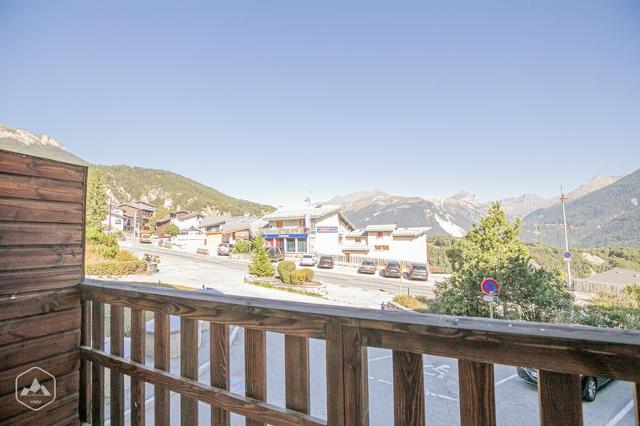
{"type": "Point", "coordinates": [490, 286]}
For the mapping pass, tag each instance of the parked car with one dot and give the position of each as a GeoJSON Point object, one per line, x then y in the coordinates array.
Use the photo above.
{"type": "Point", "coordinates": [224, 249]}
{"type": "Point", "coordinates": [367, 267]}
{"type": "Point", "coordinates": [418, 271]}
{"type": "Point", "coordinates": [590, 385]}
{"type": "Point", "coordinates": [276, 254]}
{"type": "Point", "coordinates": [308, 260]}
{"type": "Point", "coordinates": [325, 262]}
{"type": "Point", "coordinates": [392, 269]}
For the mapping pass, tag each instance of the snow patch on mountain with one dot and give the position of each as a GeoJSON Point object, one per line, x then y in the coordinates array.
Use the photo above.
{"type": "Point", "coordinates": [450, 227]}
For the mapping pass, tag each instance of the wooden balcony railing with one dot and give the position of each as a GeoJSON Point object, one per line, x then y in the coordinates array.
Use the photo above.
{"type": "Point", "coordinates": [561, 353]}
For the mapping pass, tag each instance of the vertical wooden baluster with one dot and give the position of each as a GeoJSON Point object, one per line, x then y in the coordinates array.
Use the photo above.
{"type": "Point", "coordinates": [560, 397]}
{"type": "Point", "coordinates": [636, 397]}
{"type": "Point", "coordinates": [356, 380]}
{"type": "Point", "coordinates": [117, 378]}
{"type": "Point", "coordinates": [408, 388]}
{"type": "Point", "coordinates": [85, 368]}
{"type": "Point", "coordinates": [188, 368]}
{"type": "Point", "coordinates": [255, 357]}
{"type": "Point", "coordinates": [97, 371]}
{"type": "Point", "coordinates": [477, 393]}
{"type": "Point", "coordinates": [219, 371]}
{"type": "Point", "coordinates": [335, 371]}
{"type": "Point", "coordinates": [137, 354]}
{"type": "Point", "coordinates": [296, 368]}
{"type": "Point", "coordinates": [161, 361]}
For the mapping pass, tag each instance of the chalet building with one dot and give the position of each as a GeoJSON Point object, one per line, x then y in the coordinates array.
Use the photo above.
{"type": "Point", "coordinates": [387, 242]}
{"type": "Point", "coordinates": [139, 211]}
{"type": "Point", "coordinates": [115, 220]}
{"type": "Point", "coordinates": [229, 229]}
{"type": "Point", "coordinates": [188, 222]}
{"type": "Point", "coordinates": [309, 229]}
{"type": "Point", "coordinates": [162, 223]}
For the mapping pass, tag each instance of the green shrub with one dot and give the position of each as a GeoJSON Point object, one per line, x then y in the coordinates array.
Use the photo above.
{"type": "Point", "coordinates": [103, 250]}
{"type": "Point", "coordinates": [284, 270]}
{"type": "Point", "coordinates": [297, 277]}
{"type": "Point", "coordinates": [409, 302]}
{"type": "Point", "coordinates": [112, 268]}
{"type": "Point", "coordinates": [172, 230]}
{"type": "Point", "coordinates": [308, 274]}
{"type": "Point", "coordinates": [242, 247]}
{"type": "Point", "coordinates": [98, 237]}
{"type": "Point", "coordinates": [124, 255]}
{"type": "Point", "coordinates": [118, 234]}
{"type": "Point", "coordinates": [260, 263]}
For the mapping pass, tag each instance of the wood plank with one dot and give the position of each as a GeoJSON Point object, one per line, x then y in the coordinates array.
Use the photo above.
{"type": "Point", "coordinates": [137, 354]}
{"type": "Point", "coordinates": [31, 234]}
{"type": "Point", "coordinates": [356, 379]}
{"type": "Point", "coordinates": [560, 398]}
{"type": "Point", "coordinates": [97, 372]}
{"type": "Point", "coordinates": [44, 189]}
{"type": "Point", "coordinates": [335, 373]}
{"type": "Point", "coordinates": [12, 259]}
{"type": "Point", "coordinates": [255, 368]}
{"type": "Point", "coordinates": [477, 393]}
{"type": "Point", "coordinates": [117, 379]}
{"type": "Point", "coordinates": [188, 368]}
{"type": "Point", "coordinates": [23, 281]}
{"type": "Point", "coordinates": [85, 367]}
{"type": "Point", "coordinates": [20, 210]}
{"type": "Point", "coordinates": [219, 370]}
{"type": "Point", "coordinates": [161, 360]}
{"type": "Point", "coordinates": [58, 365]}
{"type": "Point", "coordinates": [29, 351]}
{"type": "Point", "coordinates": [22, 329]}
{"type": "Point", "coordinates": [229, 401]}
{"type": "Point", "coordinates": [21, 164]}
{"type": "Point", "coordinates": [296, 368]}
{"type": "Point", "coordinates": [27, 304]}
{"type": "Point", "coordinates": [63, 408]}
{"type": "Point", "coordinates": [408, 388]}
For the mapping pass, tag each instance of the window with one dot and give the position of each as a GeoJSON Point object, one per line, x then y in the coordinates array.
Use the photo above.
{"type": "Point", "coordinates": [302, 245]}
{"type": "Point", "coordinates": [358, 240]}
{"type": "Point", "coordinates": [118, 221]}
{"type": "Point", "coordinates": [301, 223]}
{"type": "Point", "coordinates": [279, 224]}
{"type": "Point", "coordinates": [380, 234]}
{"type": "Point", "coordinates": [291, 245]}
{"type": "Point", "coordinates": [382, 248]}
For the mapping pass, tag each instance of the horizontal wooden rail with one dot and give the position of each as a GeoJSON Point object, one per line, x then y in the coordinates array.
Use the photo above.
{"type": "Point", "coordinates": [561, 352]}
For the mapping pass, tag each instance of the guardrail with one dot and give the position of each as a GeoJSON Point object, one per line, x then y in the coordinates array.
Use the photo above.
{"type": "Point", "coordinates": [561, 353]}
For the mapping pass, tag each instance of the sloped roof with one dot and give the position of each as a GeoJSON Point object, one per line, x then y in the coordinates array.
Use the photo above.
{"type": "Point", "coordinates": [355, 233]}
{"type": "Point", "coordinates": [214, 220]}
{"type": "Point", "coordinates": [410, 232]}
{"type": "Point", "coordinates": [380, 228]}
{"type": "Point", "coordinates": [300, 212]}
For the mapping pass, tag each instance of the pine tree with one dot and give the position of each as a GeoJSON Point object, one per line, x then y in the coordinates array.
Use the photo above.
{"type": "Point", "coordinates": [260, 263]}
{"type": "Point", "coordinates": [492, 249]}
{"type": "Point", "coordinates": [96, 198]}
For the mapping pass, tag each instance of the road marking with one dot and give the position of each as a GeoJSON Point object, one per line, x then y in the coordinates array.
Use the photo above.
{"type": "Point", "coordinates": [506, 379]}
{"type": "Point", "coordinates": [614, 421]}
{"type": "Point", "coordinates": [379, 358]}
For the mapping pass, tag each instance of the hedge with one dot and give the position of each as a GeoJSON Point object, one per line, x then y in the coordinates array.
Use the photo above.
{"type": "Point", "coordinates": [285, 268]}
{"type": "Point", "coordinates": [113, 268]}
{"type": "Point", "coordinates": [308, 274]}
{"type": "Point", "coordinates": [125, 255]}
{"type": "Point", "coordinates": [297, 277]}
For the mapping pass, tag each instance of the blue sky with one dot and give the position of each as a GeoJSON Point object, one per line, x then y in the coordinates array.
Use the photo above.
{"type": "Point", "coordinates": [266, 100]}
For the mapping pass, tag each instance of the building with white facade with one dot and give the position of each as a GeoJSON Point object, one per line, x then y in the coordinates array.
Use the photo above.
{"type": "Point", "coordinates": [115, 220]}
{"type": "Point", "coordinates": [189, 223]}
{"type": "Point", "coordinates": [308, 229]}
{"type": "Point", "coordinates": [387, 242]}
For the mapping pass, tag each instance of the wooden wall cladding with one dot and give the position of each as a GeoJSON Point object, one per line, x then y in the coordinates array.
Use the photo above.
{"type": "Point", "coordinates": [42, 206]}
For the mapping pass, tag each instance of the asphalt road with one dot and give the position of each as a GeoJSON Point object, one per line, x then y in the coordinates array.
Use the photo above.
{"type": "Point", "coordinates": [391, 285]}
{"type": "Point", "coordinates": [516, 401]}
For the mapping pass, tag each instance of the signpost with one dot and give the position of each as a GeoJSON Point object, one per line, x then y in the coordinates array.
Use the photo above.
{"type": "Point", "coordinates": [567, 255]}
{"type": "Point", "coordinates": [490, 287]}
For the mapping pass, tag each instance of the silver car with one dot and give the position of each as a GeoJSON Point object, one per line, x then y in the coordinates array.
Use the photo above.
{"type": "Point", "coordinates": [308, 260]}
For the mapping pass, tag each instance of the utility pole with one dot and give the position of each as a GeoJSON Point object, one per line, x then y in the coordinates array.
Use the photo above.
{"type": "Point", "coordinates": [563, 198]}
{"type": "Point", "coordinates": [135, 231]}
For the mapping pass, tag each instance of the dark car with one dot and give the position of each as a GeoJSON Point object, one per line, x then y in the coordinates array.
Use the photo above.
{"type": "Point", "coordinates": [392, 269]}
{"type": "Point", "coordinates": [325, 262]}
{"type": "Point", "coordinates": [367, 267]}
{"type": "Point", "coordinates": [590, 385]}
{"type": "Point", "coordinates": [418, 271]}
{"type": "Point", "coordinates": [276, 254]}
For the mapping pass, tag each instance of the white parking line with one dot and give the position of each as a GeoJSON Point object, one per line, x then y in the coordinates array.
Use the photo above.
{"type": "Point", "coordinates": [614, 421]}
{"type": "Point", "coordinates": [506, 379]}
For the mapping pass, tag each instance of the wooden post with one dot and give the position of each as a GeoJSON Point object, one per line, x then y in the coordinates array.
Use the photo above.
{"type": "Point", "coordinates": [296, 368]}
{"type": "Point", "coordinates": [356, 380]}
{"type": "Point", "coordinates": [219, 369]}
{"type": "Point", "coordinates": [161, 361]}
{"type": "Point", "coordinates": [138, 333]}
{"type": "Point", "coordinates": [188, 368]}
{"type": "Point", "coordinates": [560, 398]}
{"type": "Point", "coordinates": [255, 357]}
{"type": "Point", "coordinates": [85, 368]}
{"type": "Point", "coordinates": [117, 378]}
{"type": "Point", "coordinates": [477, 393]}
{"type": "Point", "coordinates": [335, 372]}
{"type": "Point", "coordinates": [97, 372]}
{"type": "Point", "coordinates": [408, 388]}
